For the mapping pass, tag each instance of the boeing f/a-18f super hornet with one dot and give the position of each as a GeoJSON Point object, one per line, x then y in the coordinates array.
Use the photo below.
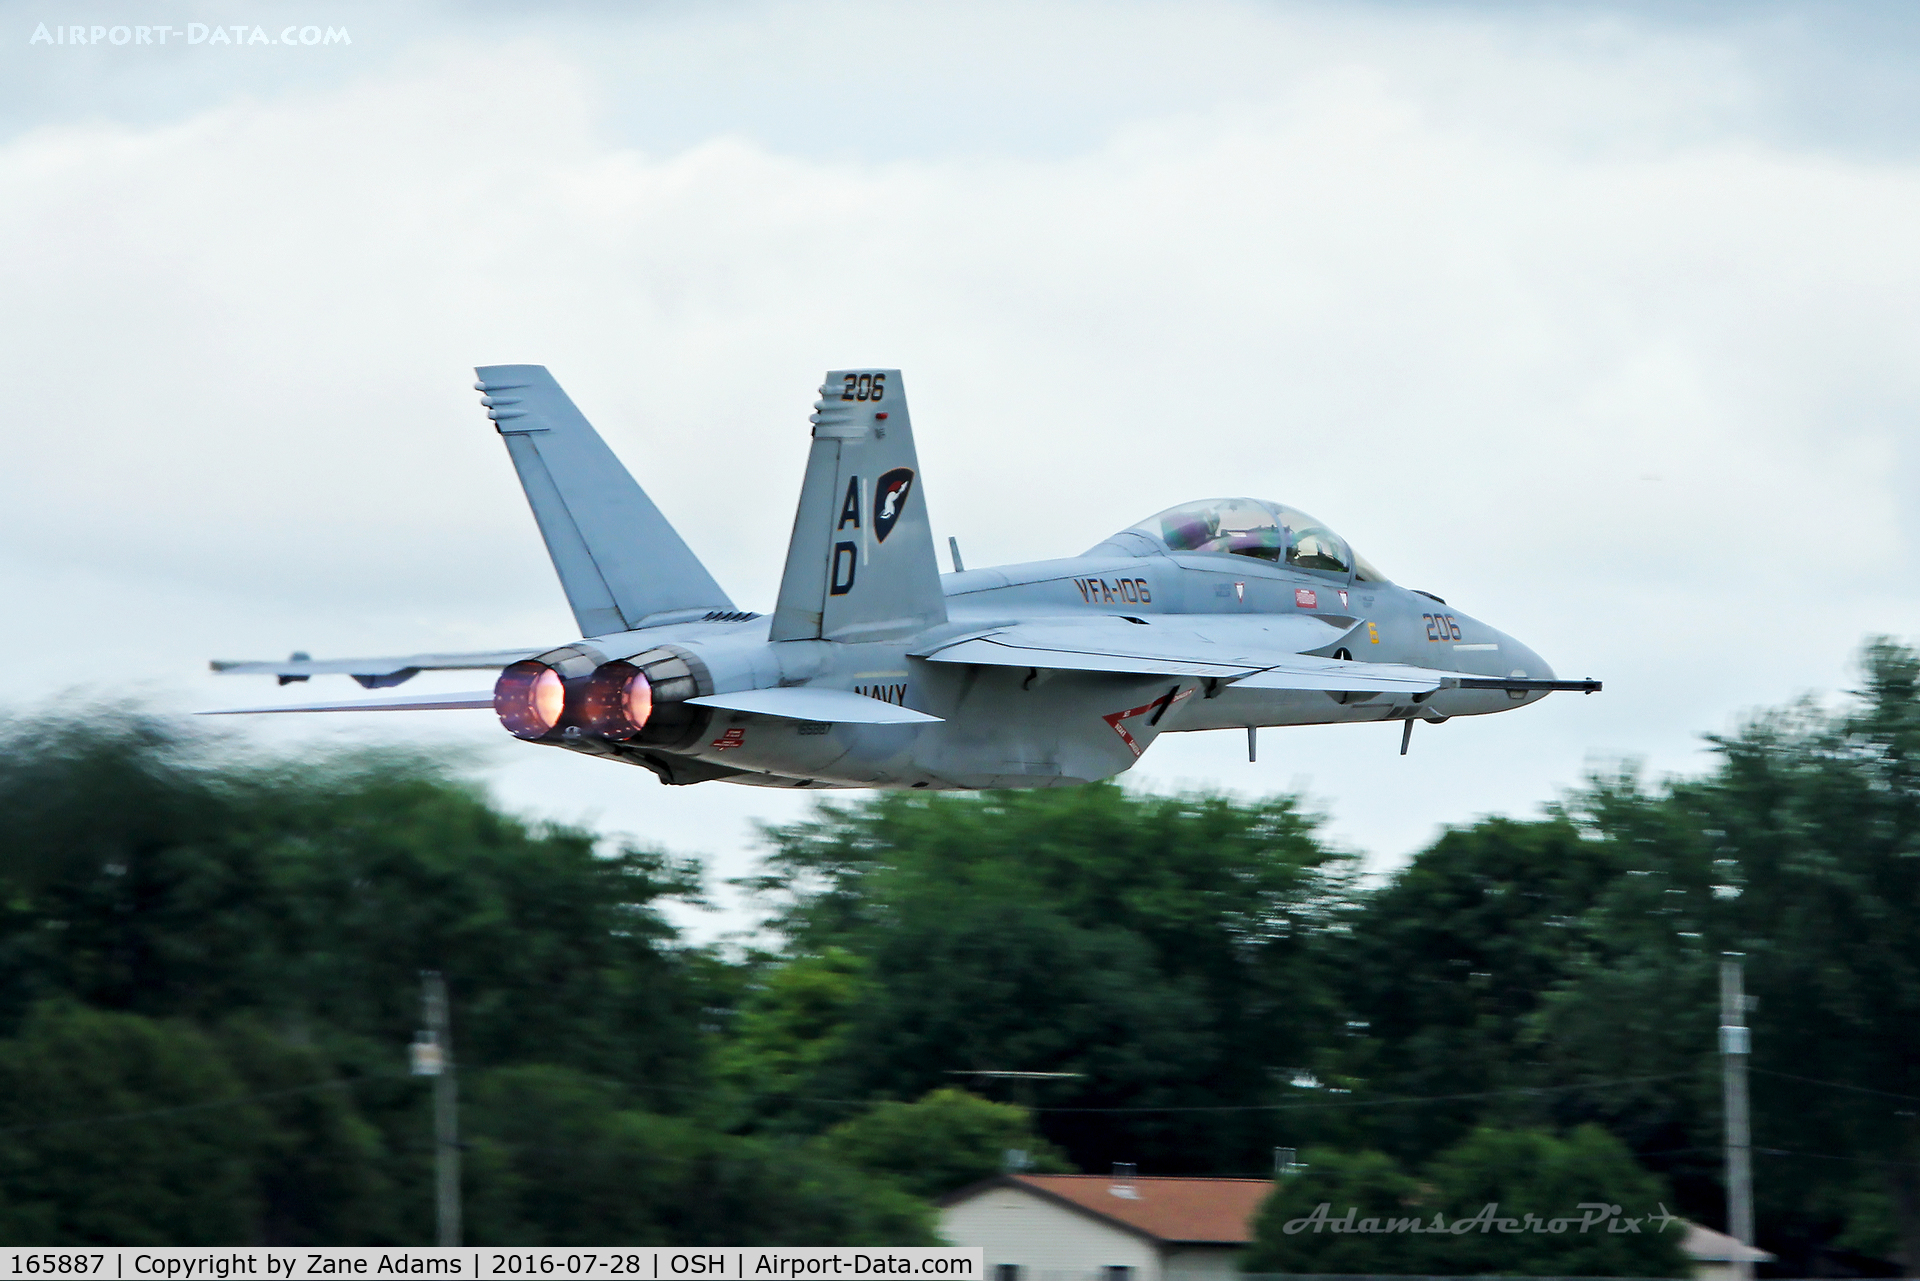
{"type": "Point", "coordinates": [876, 670]}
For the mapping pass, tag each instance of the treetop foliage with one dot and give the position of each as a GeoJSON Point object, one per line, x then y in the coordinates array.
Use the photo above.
{"type": "Point", "coordinates": [942, 1142]}
{"type": "Point", "coordinates": [1173, 869]}
{"type": "Point", "coordinates": [143, 870]}
{"type": "Point", "coordinates": [1162, 948]}
{"type": "Point", "coordinates": [1498, 1203]}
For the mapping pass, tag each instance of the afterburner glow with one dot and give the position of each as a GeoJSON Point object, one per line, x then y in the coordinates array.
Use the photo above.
{"type": "Point", "coordinates": [619, 701]}
{"type": "Point", "coordinates": [529, 698]}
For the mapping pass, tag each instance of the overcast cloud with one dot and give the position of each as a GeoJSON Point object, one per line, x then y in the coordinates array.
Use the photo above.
{"type": "Point", "coordinates": [1598, 321]}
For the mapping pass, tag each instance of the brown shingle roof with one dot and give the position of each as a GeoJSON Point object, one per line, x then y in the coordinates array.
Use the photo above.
{"type": "Point", "coordinates": [1216, 1211]}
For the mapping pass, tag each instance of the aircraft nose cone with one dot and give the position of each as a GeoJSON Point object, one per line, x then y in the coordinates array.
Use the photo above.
{"type": "Point", "coordinates": [1520, 658]}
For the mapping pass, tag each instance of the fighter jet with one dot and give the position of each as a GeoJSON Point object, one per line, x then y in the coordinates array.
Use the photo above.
{"type": "Point", "coordinates": [874, 669]}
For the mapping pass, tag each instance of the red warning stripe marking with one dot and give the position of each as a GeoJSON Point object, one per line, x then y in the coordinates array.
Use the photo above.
{"type": "Point", "coordinates": [1166, 700]}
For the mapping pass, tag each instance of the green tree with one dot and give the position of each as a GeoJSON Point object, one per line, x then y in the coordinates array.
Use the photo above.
{"type": "Point", "coordinates": [148, 869]}
{"type": "Point", "coordinates": [1158, 946]}
{"type": "Point", "coordinates": [1801, 850]}
{"type": "Point", "coordinates": [791, 1021]}
{"type": "Point", "coordinates": [1373, 1186]}
{"type": "Point", "coordinates": [121, 1130]}
{"type": "Point", "coordinates": [322, 1172]}
{"type": "Point", "coordinates": [1545, 1182]}
{"type": "Point", "coordinates": [281, 913]}
{"type": "Point", "coordinates": [941, 1142]}
{"type": "Point", "coordinates": [1498, 1203]}
{"type": "Point", "coordinates": [1443, 968]}
{"type": "Point", "coordinates": [559, 1160]}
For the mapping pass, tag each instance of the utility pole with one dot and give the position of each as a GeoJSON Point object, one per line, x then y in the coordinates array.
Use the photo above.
{"type": "Point", "coordinates": [1734, 1047]}
{"type": "Point", "coordinates": [433, 1056]}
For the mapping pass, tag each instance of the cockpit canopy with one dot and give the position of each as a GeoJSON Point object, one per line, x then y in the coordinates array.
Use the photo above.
{"type": "Point", "coordinates": [1265, 531]}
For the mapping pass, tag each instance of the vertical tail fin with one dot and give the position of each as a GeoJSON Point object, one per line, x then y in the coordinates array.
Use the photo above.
{"type": "Point", "coordinates": [618, 559]}
{"type": "Point", "coordinates": [861, 563]}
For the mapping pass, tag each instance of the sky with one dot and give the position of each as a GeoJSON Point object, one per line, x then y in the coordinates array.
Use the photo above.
{"type": "Point", "coordinates": [1597, 319]}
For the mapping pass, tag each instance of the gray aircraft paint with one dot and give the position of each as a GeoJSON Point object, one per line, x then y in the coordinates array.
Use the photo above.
{"type": "Point", "coordinates": [592, 514]}
{"type": "Point", "coordinates": [860, 566]}
{"type": "Point", "coordinates": [875, 670]}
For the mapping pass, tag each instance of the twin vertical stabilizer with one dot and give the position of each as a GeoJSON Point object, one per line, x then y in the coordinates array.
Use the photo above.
{"type": "Point", "coordinates": [619, 560]}
{"type": "Point", "coordinates": [860, 566]}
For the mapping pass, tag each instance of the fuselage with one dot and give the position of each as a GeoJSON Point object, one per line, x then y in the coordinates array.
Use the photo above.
{"type": "Point", "coordinates": [873, 669]}
{"type": "Point", "coordinates": [1016, 727]}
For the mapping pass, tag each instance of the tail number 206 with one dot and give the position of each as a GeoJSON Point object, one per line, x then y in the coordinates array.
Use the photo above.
{"type": "Point", "coordinates": [865, 387]}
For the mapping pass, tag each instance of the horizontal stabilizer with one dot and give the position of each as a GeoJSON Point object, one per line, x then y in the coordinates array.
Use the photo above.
{"type": "Point", "coordinates": [374, 672]}
{"type": "Point", "coordinates": [804, 703]}
{"type": "Point", "coordinates": [481, 699]}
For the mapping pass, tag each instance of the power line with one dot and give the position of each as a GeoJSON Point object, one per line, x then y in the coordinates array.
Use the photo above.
{"type": "Point", "coordinates": [1396, 1101]}
{"type": "Point", "coordinates": [240, 1099]}
{"type": "Point", "coordinates": [1390, 1102]}
{"type": "Point", "coordinates": [1220, 1107]}
{"type": "Point", "coordinates": [1825, 1156]}
{"type": "Point", "coordinates": [233, 1101]}
{"type": "Point", "coordinates": [1838, 1085]}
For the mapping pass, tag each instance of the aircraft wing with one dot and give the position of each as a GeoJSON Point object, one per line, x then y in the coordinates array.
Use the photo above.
{"type": "Point", "coordinates": [993, 652]}
{"type": "Point", "coordinates": [373, 673]}
{"type": "Point", "coordinates": [390, 703]}
{"type": "Point", "coordinates": [1331, 674]}
{"type": "Point", "coordinates": [1266, 655]}
{"type": "Point", "coordinates": [1274, 671]}
{"type": "Point", "coordinates": [1227, 648]}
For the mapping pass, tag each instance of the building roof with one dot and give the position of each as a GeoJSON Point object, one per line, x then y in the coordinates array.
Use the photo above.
{"type": "Point", "coordinates": [1704, 1245]}
{"type": "Point", "coordinates": [1170, 1210]}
